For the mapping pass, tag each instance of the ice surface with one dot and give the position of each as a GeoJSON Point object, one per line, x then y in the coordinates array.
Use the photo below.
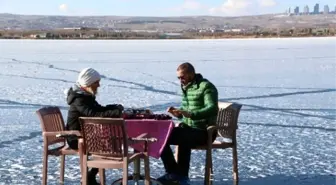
{"type": "Point", "coordinates": [287, 125]}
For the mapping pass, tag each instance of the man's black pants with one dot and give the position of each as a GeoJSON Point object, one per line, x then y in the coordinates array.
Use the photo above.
{"type": "Point", "coordinates": [186, 138]}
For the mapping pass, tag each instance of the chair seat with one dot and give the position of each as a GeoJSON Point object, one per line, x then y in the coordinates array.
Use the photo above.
{"type": "Point", "coordinates": [110, 161]}
{"type": "Point", "coordinates": [216, 144]}
{"type": "Point", "coordinates": [65, 150]}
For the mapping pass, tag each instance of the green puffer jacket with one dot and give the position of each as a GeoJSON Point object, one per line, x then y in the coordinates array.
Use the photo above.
{"type": "Point", "coordinates": [200, 99]}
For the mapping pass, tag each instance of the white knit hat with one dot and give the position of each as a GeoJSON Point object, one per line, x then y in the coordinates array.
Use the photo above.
{"type": "Point", "coordinates": [87, 77]}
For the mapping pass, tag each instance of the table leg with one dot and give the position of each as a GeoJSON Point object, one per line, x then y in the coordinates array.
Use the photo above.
{"type": "Point", "coordinates": [136, 176]}
{"type": "Point", "coordinates": [136, 173]}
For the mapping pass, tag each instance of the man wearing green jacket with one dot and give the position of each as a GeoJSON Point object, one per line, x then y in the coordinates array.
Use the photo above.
{"type": "Point", "coordinates": [198, 111]}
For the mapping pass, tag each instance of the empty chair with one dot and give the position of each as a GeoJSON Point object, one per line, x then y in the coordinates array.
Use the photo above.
{"type": "Point", "coordinates": [52, 124]}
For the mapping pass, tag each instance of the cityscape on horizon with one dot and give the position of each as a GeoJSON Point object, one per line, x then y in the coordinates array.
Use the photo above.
{"type": "Point", "coordinates": [315, 10]}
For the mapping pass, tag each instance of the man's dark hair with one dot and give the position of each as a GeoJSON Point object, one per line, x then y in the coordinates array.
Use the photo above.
{"type": "Point", "coordinates": [187, 67]}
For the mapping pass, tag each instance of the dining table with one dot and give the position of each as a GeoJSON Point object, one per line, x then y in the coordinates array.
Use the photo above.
{"type": "Point", "coordinates": [160, 130]}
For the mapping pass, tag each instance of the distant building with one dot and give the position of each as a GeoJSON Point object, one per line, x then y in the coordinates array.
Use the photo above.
{"type": "Point", "coordinates": [80, 28]}
{"type": "Point", "coordinates": [41, 35]}
{"type": "Point", "coordinates": [236, 30]}
{"type": "Point", "coordinates": [306, 10]}
{"type": "Point", "coordinates": [326, 9]}
{"type": "Point", "coordinates": [217, 31]}
{"type": "Point", "coordinates": [171, 36]}
{"type": "Point", "coordinates": [296, 10]}
{"type": "Point", "coordinates": [145, 31]}
{"type": "Point", "coordinates": [74, 28]}
{"type": "Point", "coordinates": [233, 30]}
{"type": "Point", "coordinates": [316, 9]}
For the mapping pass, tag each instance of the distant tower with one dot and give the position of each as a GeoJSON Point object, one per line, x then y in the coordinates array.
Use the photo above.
{"type": "Point", "coordinates": [326, 9]}
{"type": "Point", "coordinates": [316, 8]}
{"type": "Point", "coordinates": [306, 10]}
{"type": "Point", "coordinates": [289, 10]}
{"type": "Point", "coordinates": [296, 10]}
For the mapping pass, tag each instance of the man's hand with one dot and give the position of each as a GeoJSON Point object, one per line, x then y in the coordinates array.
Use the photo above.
{"type": "Point", "coordinates": [170, 109]}
{"type": "Point", "coordinates": [174, 112]}
{"type": "Point", "coordinates": [184, 113]}
{"type": "Point", "coordinates": [178, 113]}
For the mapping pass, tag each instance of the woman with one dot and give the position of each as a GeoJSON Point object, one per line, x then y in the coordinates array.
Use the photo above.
{"type": "Point", "coordinates": [82, 100]}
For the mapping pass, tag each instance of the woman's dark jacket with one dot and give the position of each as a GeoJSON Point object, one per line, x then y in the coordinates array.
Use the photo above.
{"type": "Point", "coordinates": [83, 104]}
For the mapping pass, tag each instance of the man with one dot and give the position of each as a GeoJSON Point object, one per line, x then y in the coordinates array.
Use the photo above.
{"type": "Point", "coordinates": [82, 100]}
{"type": "Point", "coordinates": [198, 111]}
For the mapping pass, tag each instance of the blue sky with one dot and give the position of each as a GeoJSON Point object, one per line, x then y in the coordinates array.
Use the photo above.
{"type": "Point", "coordinates": [155, 7]}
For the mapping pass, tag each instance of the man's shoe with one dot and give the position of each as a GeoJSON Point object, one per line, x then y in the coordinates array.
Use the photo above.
{"type": "Point", "coordinates": [184, 180]}
{"type": "Point", "coordinates": [168, 177]}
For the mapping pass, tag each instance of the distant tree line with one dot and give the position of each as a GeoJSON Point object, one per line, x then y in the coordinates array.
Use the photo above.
{"type": "Point", "coordinates": [110, 34]}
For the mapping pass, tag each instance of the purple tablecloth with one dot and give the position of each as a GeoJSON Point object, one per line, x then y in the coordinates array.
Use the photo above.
{"type": "Point", "coordinates": [159, 129]}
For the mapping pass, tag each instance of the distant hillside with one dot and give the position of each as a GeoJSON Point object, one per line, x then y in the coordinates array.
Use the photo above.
{"type": "Point", "coordinates": [41, 22]}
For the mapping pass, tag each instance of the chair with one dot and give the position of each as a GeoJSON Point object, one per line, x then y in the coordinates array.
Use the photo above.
{"type": "Point", "coordinates": [106, 142]}
{"type": "Point", "coordinates": [52, 124]}
{"type": "Point", "coordinates": [226, 126]}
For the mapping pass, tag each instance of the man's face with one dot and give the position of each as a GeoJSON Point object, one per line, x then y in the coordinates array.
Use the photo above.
{"type": "Point", "coordinates": [184, 77]}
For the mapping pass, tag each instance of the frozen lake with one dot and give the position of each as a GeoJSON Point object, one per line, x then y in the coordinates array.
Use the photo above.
{"type": "Point", "coordinates": [287, 87]}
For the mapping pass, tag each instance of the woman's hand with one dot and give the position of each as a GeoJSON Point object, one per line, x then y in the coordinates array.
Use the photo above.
{"type": "Point", "coordinates": [116, 106]}
{"type": "Point", "coordinates": [120, 107]}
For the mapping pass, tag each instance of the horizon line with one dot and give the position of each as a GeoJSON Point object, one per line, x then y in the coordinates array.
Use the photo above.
{"type": "Point", "coordinates": [106, 15]}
